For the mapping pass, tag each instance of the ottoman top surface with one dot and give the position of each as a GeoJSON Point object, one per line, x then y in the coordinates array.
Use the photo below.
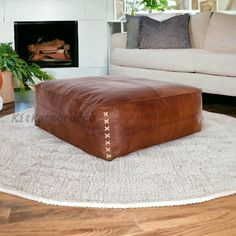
{"type": "Point", "coordinates": [107, 90]}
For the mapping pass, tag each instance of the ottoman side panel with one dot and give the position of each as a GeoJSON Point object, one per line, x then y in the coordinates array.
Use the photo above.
{"type": "Point", "coordinates": [138, 125]}
{"type": "Point", "coordinates": [85, 131]}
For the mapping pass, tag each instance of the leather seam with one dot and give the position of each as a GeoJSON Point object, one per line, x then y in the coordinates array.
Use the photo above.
{"type": "Point", "coordinates": [107, 135]}
{"type": "Point", "coordinates": [146, 100]}
{"type": "Point", "coordinates": [117, 104]}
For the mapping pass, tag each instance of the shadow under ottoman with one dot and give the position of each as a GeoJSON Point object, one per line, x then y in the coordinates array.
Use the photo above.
{"type": "Point", "coordinates": [110, 117]}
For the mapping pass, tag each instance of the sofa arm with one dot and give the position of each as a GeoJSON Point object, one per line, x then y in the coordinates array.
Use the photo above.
{"type": "Point", "coordinates": [118, 40]}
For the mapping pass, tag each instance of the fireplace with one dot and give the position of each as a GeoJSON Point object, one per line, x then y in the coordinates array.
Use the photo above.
{"type": "Point", "coordinates": [48, 43]}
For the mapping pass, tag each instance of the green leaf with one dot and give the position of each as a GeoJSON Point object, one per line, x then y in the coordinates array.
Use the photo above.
{"type": "Point", "coordinates": [24, 73]}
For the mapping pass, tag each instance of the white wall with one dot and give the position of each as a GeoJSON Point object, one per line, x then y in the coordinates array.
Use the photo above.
{"type": "Point", "coordinates": [92, 16]}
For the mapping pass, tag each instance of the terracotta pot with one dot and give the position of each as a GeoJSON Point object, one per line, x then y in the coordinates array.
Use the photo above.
{"type": "Point", "coordinates": [1, 81]}
{"type": "Point", "coordinates": [6, 85]}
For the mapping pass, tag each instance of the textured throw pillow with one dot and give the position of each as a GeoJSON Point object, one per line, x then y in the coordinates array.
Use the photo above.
{"type": "Point", "coordinates": [132, 23]}
{"type": "Point", "coordinates": [171, 33]}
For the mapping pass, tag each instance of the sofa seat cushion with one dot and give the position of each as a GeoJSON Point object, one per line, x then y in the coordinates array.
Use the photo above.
{"type": "Point", "coordinates": [110, 117]}
{"type": "Point", "coordinates": [162, 59]}
{"type": "Point", "coordinates": [215, 63]}
{"type": "Point", "coordinates": [179, 60]}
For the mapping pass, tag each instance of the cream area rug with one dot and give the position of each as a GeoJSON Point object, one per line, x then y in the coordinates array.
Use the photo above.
{"type": "Point", "coordinates": [38, 166]}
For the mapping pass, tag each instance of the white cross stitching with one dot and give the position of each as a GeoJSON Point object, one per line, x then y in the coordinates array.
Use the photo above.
{"type": "Point", "coordinates": [108, 142]}
{"type": "Point", "coordinates": [108, 156]}
{"type": "Point", "coordinates": [107, 128]}
{"type": "Point", "coordinates": [107, 135]}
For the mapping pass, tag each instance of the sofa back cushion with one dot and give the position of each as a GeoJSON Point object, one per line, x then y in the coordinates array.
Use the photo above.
{"type": "Point", "coordinates": [221, 33]}
{"type": "Point", "coordinates": [198, 27]}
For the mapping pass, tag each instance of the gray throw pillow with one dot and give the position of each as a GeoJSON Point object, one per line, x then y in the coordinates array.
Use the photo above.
{"type": "Point", "coordinates": [132, 24]}
{"type": "Point", "coordinates": [171, 33]}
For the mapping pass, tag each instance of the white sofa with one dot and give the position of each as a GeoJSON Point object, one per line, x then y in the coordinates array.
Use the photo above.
{"type": "Point", "coordinates": [210, 64]}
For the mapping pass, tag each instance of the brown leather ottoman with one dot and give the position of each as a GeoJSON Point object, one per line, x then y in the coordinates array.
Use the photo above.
{"type": "Point", "coordinates": [111, 117]}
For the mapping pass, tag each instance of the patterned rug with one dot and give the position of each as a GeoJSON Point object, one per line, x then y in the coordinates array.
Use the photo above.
{"type": "Point", "coordinates": [38, 166]}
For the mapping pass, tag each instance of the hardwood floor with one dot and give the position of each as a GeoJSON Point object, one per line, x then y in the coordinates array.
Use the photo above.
{"type": "Point", "coordinates": [23, 100]}
{"type": "Point", "coordinates": [20, 217]}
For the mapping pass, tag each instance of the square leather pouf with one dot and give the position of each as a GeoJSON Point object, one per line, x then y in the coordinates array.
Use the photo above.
{"type": "Point", "coordinates": [110, 117]}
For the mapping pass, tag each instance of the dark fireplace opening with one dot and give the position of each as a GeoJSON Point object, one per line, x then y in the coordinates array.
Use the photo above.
{"type": "Point", "coordinates": [47, 43]}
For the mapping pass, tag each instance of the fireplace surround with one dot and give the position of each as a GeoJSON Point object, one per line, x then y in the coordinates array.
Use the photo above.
{"type": "Point", "coordinates": [47, 43]}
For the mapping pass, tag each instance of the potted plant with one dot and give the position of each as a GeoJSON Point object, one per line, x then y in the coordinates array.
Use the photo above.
{"type": "Point", "coordinates": [159, 5]}
{"type": "Point", "coordinates": [22, 72]}
{"type": "Point", "coordinates": [135, 5]}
